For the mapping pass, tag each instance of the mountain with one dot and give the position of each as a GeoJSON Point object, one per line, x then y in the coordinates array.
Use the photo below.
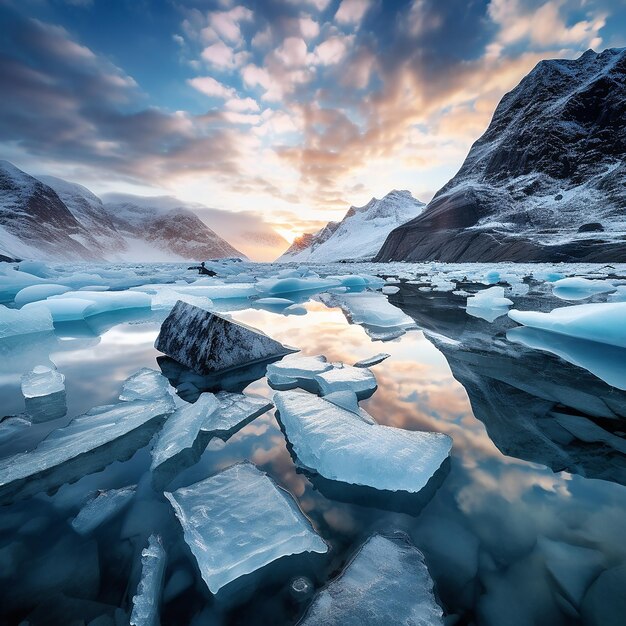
{"type": "Point", "coordinates": [359, 235]}
{"type": "Point", "coordinates": [52, 219]}
{"type": "Point", "coordinates": [546, 180]}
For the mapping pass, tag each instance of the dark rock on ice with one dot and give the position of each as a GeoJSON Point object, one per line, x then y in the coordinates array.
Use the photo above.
{"type": "Point", "coordinates": [208, 343]}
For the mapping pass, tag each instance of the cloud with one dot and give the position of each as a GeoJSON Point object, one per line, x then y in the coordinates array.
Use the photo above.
{"type": "Point", "coordinates": [222, 56]}
{"type": "Point", "coordinates": [352, 11]}
{"type": "Point", "coordinates": [211, 87]}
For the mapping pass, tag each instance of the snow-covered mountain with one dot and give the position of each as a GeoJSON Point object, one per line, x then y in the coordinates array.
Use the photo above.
{"type": "Point", "coordinates": [359, 235]}
{"type": "Point", "coordinates": [49, 218]}
{"type": "Point", "coordinates": [546, 180]}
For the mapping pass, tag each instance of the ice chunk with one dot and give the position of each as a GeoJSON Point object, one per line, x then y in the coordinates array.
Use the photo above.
{"type": "Point", "coordinates": [342, 377]}
{"type": "Point", "coordinates": [42, 381]}
{"type": "Point", "coordinates": [602, 322]}
{"type": "Point", "coordinates": [209, 343]}
{"type": "Point", "coordinates": [380, 319]}
{"type": "Point", "coordinates": [238, 521]}
{"type": "Point", "coordinates": [167, 298]}
{"type": "Point", "coordinates": [292, 371]}
{"type": "Point", "coordinates": [107, 301]}
{"type": "Point", "coordinates": [181, 429]}
{"type": "Point", "coordinates": [373, 360]}
{"type": "Point", "coordinates": [235, 411]}
{"type": "Point", "coordinates": [66, 310]}
{"type": "Point", "coordinates": [339, 445]}
{"type": "Point", "coordinates": [389, 290]}
{"type": "Point", "coordinates": [278, 302]}
{"type": "Point", "coordinates": [604, 361]}
{"type": "Point", "coordinates": [577, 288]}
{"type": "Point", "coordinates": [102, 508]}
{"type": "Point", "coordinates": [12, 281]}
{"type": "Point", "coordinates": [23, 322]}
{"type": "Point", "coordinates": [87, 444]}
{"type": "Point", "coordinates": [146, 384]}
{"type": "Point", "coordinates": [489, 304]}
{"type": "Point", "coordinates": [348, 400]}
{"type": "Point", "coordinates": [276, 286]}
{"type": "Point", "coordinates": [387, 582]}
{"type": "Point", "coordinates": [294, 309]}
{"type": "Point", "coordinates": [35, 293]}
{"type": "Point", "coordinates": [147, 601]}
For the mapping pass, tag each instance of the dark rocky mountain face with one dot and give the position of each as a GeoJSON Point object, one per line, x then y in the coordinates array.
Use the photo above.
{"type": "Point", "coordinates": [546, 181]}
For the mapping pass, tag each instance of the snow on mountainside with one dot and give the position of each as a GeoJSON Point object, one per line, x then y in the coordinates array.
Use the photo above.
{"type": "Point", "coordinates": [546, 180]}
{"type": "Point", "coordinates": [360, 233]}
{"type": "Point", "coordinates": [52, 219]}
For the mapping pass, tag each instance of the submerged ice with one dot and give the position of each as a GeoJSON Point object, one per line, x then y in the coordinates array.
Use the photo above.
{"type": "Point", "coordinates": [387, 582]}
{"type": "Point", "coordinates": [339, 445]}
{"type": "Point", "coordinates": [238, 521]}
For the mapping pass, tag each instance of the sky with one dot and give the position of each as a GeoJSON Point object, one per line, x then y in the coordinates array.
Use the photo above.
{"type": "Point", "coordinates": [271, 116]}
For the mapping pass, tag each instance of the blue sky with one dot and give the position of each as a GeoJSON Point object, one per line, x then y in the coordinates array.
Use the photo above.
{"type": "Point", "coordinates": [281, 112]}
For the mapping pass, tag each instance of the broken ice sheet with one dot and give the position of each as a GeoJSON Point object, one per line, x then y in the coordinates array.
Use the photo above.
{"type": "Point", "coordinates": [342, 377]}
{"type": "Point", "coordinates": [379, 318]}
{"type": "Point", "coordinates": [387, 582]}
{"type": "Point", "coordinates": [209, 343]}
{"type": "Point", "coordinates": [102, 508]}
{"type": "Point", "coordinates": [87, 444]}
{"type": "Point", "coordinates": [339, 445]}
{"type": "Point", "coordinates": [146, 384]}
{"type": "Point", "coordinates": [147, 601]}
{"type": "Point", "coordinates": [238, 521]}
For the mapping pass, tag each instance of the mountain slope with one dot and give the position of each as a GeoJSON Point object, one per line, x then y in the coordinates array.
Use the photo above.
{"type": "Point", "coordinates": [34, 221]}
{"type": "Point", "coordinates": [53, 219]}
{"type": "Point", "coordinates": [360, 233]}
{"type": "Point", "coordinates": [546, 180]}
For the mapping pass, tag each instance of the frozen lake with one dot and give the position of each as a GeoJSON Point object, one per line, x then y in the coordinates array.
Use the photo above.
{"type": "Point", "coordinates": [523, 525]}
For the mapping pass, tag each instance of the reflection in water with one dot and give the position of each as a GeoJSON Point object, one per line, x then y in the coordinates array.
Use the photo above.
{"type": "Point", "coordinates": [495, 533]}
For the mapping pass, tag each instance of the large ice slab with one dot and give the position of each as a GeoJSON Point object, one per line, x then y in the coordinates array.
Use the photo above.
{"type": "Point", "coordinates": [209, 343]}
{"type": "Point", "coordinates": [182, 428]}
{"type": "Point", "coordinates": [602, 322]}
{"type": "Point", "coordinates": [238, 521]}
{"type": "Point", "coordinates": [275, 286]}
{"type": "Point", "coordinates": [24, 322]}
{"type": "Point", "coordinates": [88, 443]}
{"type": "Point", "coordinates": [578, 288]}
{"type": "Point", "coordinates": [235, 411]}
{"type": "Point", "coordinates": [387, 582]}
{"type": "Point", "coordinates": [380, 319]}
{"type": "Point", "coordinates": [147, 601]}
{"type": "Point", "coordinates": [339, 445]}
{"type": "Point", "coordinates": [35, 293]}
{"type": "Point", "coordinates": [343, 377]}
{"type": "Point", "coordinates": [294, 371]}
{"type": "Point", "coordinates": [102, 508]}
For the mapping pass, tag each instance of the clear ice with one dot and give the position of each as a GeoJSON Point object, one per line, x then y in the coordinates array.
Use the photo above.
{"type": "Point", "coordinates": [339, 445]}
{"type": "Point", "coordinates": [238, 521]}
{"type": "Point", "coordinates": [147, 601]}
{"type": "Point", "coordinates": [102, 508]}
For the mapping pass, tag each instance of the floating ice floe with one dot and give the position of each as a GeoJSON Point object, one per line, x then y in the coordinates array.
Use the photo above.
{"type": "Point", "coordinates": [489, 304]}
{"type": "Point", "coordinates": [12, 281]}
{"type": "Point", "coordinates": [102, 508]}
{"type": "Point", "coordinates": [387, 582]}
{"type": "Point", "coordinates": [315, 374]}
{"type": "Point", "coordinates": [87, 444]}
{"type": "Point", "coordinates": [146, 384]}
{"type": "Point", "coordinates": [235, 411]}
{"type": "Point", "coordinates": [339, 445]}
{"type": "Point", "coordinates": [181, 430]}
{"type": "Point", "coordinates": [380, 319]}
{"type": "Point", "coordinates": [577, 288]}
{"type": "Point", "coordinates": [601, 322]}
{"type": "Point", "coordinates": [238, 521]}
{"type": "Point", "coordinates": [276, 286]}
{"type": "Point", "coordinates": [15, 322]}
{"type": "Point", "coordinates": [147, 601]}
{"type": "Point", "coordinates": [373, 360]}
{"type": "Point", "coordinates": [34, 293]}
{"type": "Point", "coordinates": [602, 360]}
{"type": "Point", "coordinates": [209, 343]}
{"type": "Point", "coordinates": [43, 389]}
{"type": "Point", "coordinates": [389, 290]}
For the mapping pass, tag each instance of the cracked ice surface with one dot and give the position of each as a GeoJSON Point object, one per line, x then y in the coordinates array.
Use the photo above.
{"type": "Point", "coordinates": [146, 384]}
{"type": "Point", "coordinates": [81, 447]}
{"type": "Point", "coordinates": [339, 445]}
{"type": "Point", "coordinates": [387, 582]}
{"type": "Point", "coordinates": [238, 521]}
{"type": "Point", "coordinates": [235, 411]}
{"type": "Point", "coordinates": [147, 601]}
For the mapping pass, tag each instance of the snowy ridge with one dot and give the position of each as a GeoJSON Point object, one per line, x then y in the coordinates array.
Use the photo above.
{"type": "Point", "coordinates": [360, 233]}
{"type": "Point", "coordinates": [55, 220]}
{"type": "Point", "coordinates": [544, 182]}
